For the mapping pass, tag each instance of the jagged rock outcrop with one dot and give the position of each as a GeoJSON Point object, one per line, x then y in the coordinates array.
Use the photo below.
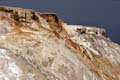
{"type": "Point", "coordinates": [39, 46]}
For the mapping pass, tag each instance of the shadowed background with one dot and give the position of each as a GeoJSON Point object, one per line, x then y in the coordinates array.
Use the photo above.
{"type": "Point", "coordinates": [100, 13]}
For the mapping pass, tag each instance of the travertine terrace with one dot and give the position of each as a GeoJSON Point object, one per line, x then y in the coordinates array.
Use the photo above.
{"type": "Point", "coordinates": [40, 46]}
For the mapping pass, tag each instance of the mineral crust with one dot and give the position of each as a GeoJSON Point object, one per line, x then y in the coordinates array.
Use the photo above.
{"type": "Point", "coordinates": [40, 46]}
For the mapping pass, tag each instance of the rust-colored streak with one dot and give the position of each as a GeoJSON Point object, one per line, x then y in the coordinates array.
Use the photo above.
{"type": "Point", "coordinates": [4, 9]}
{"type": "Point", "coordinates": [17, 29]}
{"type": "Point", "coordinates": [98, 64]}
{"type": "Point", "coordinates": [53, 21]}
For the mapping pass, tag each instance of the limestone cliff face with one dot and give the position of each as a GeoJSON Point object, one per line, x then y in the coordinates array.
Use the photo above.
{"type": "Point", "coordinates": [39, 46]}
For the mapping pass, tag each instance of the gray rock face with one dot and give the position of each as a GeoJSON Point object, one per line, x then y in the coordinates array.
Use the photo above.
{"type": "Point", "coordinates": [39, 46]}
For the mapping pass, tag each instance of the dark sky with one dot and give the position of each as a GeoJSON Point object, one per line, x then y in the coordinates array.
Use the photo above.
{"type": "Point", "coordinates": [100, 13]}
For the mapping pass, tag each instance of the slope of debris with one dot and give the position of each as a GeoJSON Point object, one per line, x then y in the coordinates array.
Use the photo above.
{"type": "Point", "coordinates": [39, 46]}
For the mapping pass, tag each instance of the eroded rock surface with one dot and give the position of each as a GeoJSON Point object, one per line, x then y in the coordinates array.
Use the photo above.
{"type": "Point", "coordinates": [39, 46]}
